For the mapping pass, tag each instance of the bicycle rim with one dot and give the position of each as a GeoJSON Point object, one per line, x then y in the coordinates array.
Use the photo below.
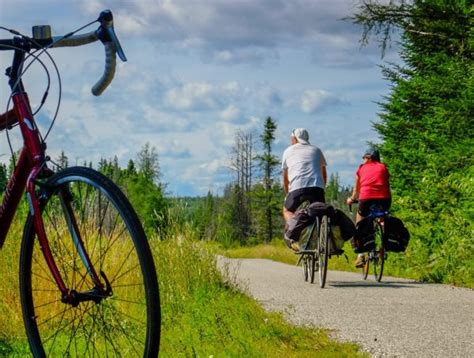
{"type": "Point", "coordinates": [379, 253]}
{"type": "Point", "coordinates": [127, 323]}
{"type": "Point", "coordinates": [305, 267]}
{"type": "Point", "coordinates": [323, 250]}
{"type": "Point", "coordinates": [365, 269]}
{"type": "Point", "coordinates": [313, 267]}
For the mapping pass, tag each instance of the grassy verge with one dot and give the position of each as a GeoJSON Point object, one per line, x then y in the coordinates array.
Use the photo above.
{"type": "Point", "coordinates": [203, 314]}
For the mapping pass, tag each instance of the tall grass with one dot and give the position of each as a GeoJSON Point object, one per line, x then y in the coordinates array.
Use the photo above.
{"type": "Point", "coordinates": [12, 335]}
{"type": "Point", "coordinates": [204, 315]}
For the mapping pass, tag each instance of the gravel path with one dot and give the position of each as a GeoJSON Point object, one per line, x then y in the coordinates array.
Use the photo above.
{"type": "Point", "coordinates": [395, 318]}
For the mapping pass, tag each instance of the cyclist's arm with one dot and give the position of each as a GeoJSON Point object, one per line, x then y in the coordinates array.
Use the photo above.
{"type": "Point", "coordinates": [324, 174]}
{"type": "Point", "coordinates": [355, 191]}
{"type": "Point", "coordinates": [323, 164]}
{"type": "Point", "coordinates": [286, 182]}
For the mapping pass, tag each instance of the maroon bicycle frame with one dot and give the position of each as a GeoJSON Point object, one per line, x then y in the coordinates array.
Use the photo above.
{"type": "Point", "coordinates": [30, 164]}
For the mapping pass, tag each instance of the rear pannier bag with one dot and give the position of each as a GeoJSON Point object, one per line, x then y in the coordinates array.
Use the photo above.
{"type": "Point", "coordinates": [296, 225]}
{"type": "Point", "coordinates": [364, 236]}
{"type": "Point", "coordinates": [342, 226]}
{"type": "Point", "coordinates": [303, 218]}
{"type": "Point", "coordinates": [396, 235]}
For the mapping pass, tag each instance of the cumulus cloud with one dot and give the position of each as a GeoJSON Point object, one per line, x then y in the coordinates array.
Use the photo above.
{"type": "Point", "coordinates": [230, 113]}
{"type": "Point", "coordinates": [269, 96]}
{"type": "Point", "coordinates": [173, 149]}
{"type": "Point", "coordinates": [239, 32]}
{"type": "Point", "coordinates": [316, 100]}
{"type": "Point", "coordinates": [342, 156]}
{"type": "Point", "coordinates": [192, 96]}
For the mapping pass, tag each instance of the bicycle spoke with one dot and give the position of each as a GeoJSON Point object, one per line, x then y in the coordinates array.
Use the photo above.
{"type": "Point", "coordinates": [59, 330]}
{"type": "Point", "coordinates": [128, 301]}
{"type": "Point", "coordinates": [125, 333]}
{"type": "Point", "coordinates": [121, 266]}
{"type": "Point", "coordinates": [126, 273]}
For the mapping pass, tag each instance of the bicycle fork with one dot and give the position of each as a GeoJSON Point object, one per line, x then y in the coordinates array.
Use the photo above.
{"type": "Point", "coordinates": [70, 296]}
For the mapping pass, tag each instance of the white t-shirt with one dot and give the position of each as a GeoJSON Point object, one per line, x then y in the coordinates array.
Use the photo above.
{"type": "Point", "coordinates": [303, 162]}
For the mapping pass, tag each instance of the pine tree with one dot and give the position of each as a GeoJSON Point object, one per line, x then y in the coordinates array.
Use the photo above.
{"type": "Point", "coordinates": [268, 163]}
{"type": "Point", "coordinates": [148, 163]}
{"type": "Point", "coordinates": [63, 160]}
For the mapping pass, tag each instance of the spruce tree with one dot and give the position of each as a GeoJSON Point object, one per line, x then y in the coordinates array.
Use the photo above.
{"type": "Point", "coordinates": [268, 163]}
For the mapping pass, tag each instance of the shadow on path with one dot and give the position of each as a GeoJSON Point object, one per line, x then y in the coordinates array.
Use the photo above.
{"type": "Point", "coordinates": [391, 284]}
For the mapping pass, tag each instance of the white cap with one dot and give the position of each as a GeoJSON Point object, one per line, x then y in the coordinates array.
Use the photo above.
{"type": "Point", "coordinates": [301, 135]}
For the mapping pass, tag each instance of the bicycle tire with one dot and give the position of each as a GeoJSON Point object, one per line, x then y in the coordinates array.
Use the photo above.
{"type": "Point", "coordinates": [126, 323]}
{"type": "Point", "coordinates": [305, 267]}
{"type": "Point", "coordinates": [313, 267]}
{"type": "Point", "coordinates": [379, 252]}
{"type": "Point", "coordinates": [323, 250]}
{"type": "Point", "coordinates": [365, 269]}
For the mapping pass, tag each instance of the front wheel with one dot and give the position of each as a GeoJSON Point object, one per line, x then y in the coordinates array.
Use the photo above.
{"type": "Point", "coordinates": [90, 227]}
{"type": "Point", "coordinates": [379, 253]}
{"type": "Point", "coordinates": [306, 266]}
{"type": "Point", "coordinates": [313, 267]}
{"type": "Point", "coordinates": [323, 250]}
{"type": "Point", "coordinates": [365, 268]}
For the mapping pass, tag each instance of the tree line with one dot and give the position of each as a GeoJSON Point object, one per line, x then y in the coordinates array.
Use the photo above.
{"type": "Point", "coordinates": [140, 180]}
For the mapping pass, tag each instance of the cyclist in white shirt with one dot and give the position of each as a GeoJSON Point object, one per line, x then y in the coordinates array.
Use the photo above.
{"type": "Point", "coordinates": [304, 172]}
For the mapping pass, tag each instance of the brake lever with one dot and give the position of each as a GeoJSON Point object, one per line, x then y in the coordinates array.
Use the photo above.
{"type": "Point", "coordinates": [106, 20]}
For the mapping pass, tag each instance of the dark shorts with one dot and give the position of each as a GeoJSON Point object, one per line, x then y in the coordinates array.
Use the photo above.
{"type": "Point", "coordinates": [365, 204]}
{"type": "Point", "coordinates": [296, 197]}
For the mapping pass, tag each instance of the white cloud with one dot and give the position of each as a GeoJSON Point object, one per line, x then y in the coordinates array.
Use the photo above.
{"type": "Point", "coordinates": [192, 96]}
{"type": "Point", "coordinates": [230, 113]}
{"type": "Point", "coordinates": [342, 156]}
{"type": "Point", "coordinates": [239, 32]}
{"type": "Point", "coordinates": [315, 100]}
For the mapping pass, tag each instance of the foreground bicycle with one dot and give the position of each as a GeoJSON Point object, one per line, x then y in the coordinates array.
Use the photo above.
{"type": "Point", "coordinates": [88, 283]}
{"type": "Point", "coordinates": [377, 253]}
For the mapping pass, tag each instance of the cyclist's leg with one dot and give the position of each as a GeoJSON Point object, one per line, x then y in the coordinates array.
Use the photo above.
{"type": "Point", "coordinates": [293, 201]}
{"type": "Point", "coordinates": [363, 211]}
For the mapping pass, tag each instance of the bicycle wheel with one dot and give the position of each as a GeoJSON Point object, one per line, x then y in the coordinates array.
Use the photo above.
{"type": "Point", "coordinates": [306, 267]}
{"type": "Point", "coordinates": [82, 203]}
{"type": "Point", "coordinates": [313, 267]}
{"type": "Point", "coordinates": [379, 252]}
{"type": "Point", "coordinates": [323, 250]}
{"type": "Point", "coordinates": [365, 268]}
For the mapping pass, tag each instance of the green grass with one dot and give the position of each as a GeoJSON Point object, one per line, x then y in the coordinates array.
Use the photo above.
{"type": "Point", "coordinates": [202, 313]}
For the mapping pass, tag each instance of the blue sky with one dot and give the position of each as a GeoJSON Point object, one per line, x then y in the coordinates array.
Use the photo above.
{"type": "Point", "coordinates": [199, 71]}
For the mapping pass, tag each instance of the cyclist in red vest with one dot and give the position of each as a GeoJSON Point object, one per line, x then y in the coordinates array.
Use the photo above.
{"type": "Point", "coordinates": [371, 187]}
